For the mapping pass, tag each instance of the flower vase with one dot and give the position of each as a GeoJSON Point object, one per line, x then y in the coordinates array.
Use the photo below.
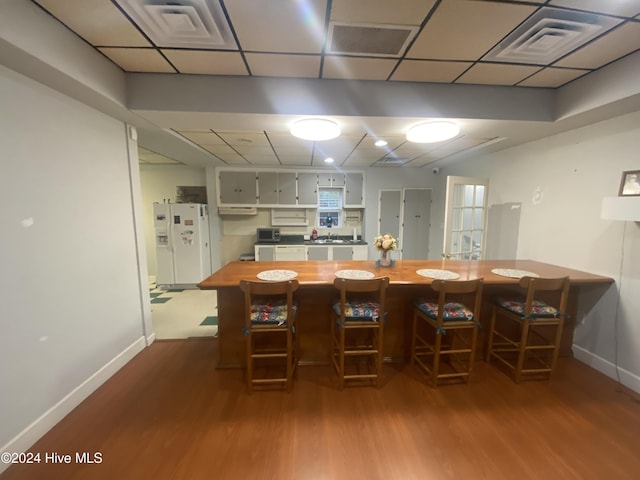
{"type": "Point", "coordinates": [385, 258]}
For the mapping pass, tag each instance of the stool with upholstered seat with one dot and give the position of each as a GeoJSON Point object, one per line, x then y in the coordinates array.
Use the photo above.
{"type": "Point", "coordinates": [271, 340]}
{"type": "Point", "coordinates": [357, 329]}
{"type": "Point", "coordinates": [445, 330]}
{"type": "Point", "coordinates": [526, 328]}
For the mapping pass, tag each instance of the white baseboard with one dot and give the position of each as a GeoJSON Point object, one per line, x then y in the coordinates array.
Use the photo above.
{"type": "Point", "coordinates": [30, 435]}
{"type": "Point", "coordinates": [151, 338]}
{"type": "Point", "coordinates": [609, 369]}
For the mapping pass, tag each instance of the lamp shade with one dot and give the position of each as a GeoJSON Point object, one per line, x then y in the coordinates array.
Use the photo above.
{"type": "Point", "coordinates": [316, 129]}
{"type": "Point", "coordinates": [431, 132]}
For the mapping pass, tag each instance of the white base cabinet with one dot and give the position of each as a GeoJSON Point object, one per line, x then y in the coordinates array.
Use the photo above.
{"type": "Point", "coordinates": [310, 252]}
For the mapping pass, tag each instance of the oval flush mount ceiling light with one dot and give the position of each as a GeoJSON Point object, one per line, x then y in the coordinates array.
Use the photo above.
{"type": "Point", "coordinates": [432, 132]}
{"type": "Point", "coordinates": [316, 129]}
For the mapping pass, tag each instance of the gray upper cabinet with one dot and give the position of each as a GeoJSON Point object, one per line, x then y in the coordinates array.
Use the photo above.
{"type": "Point", "coordinates": [237, 188]}
{"type": "Point", "coordinates": [272, 188]}
{"type": "Point", "coordinates": [308, 189]}
{"type": "Point", "coordinates": [330, 179]}
{"type": "Point", "coordinates": [277, 188]}
{"type": "Point", "coordinates": [354, 190]}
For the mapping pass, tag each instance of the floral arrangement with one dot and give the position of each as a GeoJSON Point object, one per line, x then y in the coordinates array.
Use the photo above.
{"type": "Point", "coordinates": [385, 242]}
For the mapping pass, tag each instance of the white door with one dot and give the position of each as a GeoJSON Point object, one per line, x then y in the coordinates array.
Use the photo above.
{"type": "Point", "coordinates": [465, 218]}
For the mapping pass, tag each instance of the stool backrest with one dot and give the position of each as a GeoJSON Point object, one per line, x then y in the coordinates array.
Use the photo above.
{"type": "Point", "coordinates": [372, 287]}
{"type": "Point", "coordinates": [253, 288]}
{"type": "Point", "coordinates": [445, 288]}
{"type": "Point", "coordinates": [554, 290]}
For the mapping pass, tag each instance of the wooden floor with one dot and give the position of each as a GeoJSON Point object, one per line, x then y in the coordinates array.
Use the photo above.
{"type": "Point", "coordinates": [169, 414]}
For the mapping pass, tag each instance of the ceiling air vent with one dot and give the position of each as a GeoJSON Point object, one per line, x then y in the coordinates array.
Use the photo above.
{"type": "Point", "coordinates": [392, 161]}
{"type": "Point", "coordinates": [181, 23]}
{"type": "Point", "coordinates": [548, 35]}
{"type": "Point", "coordinates": [370, 40]}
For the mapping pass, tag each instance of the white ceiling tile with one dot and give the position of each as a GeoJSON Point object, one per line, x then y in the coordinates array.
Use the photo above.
{"type": "Point", "coordinates": [206, 62]}
{"type": "Point", "coordinates": [422, 161]}
{"type": "Point", "coordinates": [294, 152]}
{"type": "Point", "coordinates": [368, 144]}
{"type": "Point", "coordinates": [626, 8]}
{"type": "Point", "coordinates": [255, 139]}
{"type": "Point", "coordinates": [365, 157]}
{"type": "Point", "coordinates": [247, 150]}
{"type": "Point", "coordinates": [359, 162]}
{"type": "Point", "coordinates": [298, 160]}
{"type": "Point", "coordinates": [138, 59]}
{"type": "Point", "coordinates": [429, 71]}
{"type": "Point", "coordinates": [99, 22]}
{"type": "Point", "coordinates": [202, 138]}
{"type": "Point", "coordinates": [289, 141]}
{"type": "Point", "coordinates": [552, 77]}
{"type": "Point", "coordinates": [337, 148]}
{"type": "Point", "coordinates": [262, 159]}
{"type": "Point", "coordinates": [467, 29]}
{"type": "Point", "coordinates": [357, 68]}
{"type": "Point", "coordinates": [406, 12]}
{"type": "Point", "coordinates": [279, 26]}
{"type": "Point", "coordinates": [232, 158]}
{"type": "Point", "coordinates": [277, 65]}
{"type": "Point", "coordinates": [219, 149]}
{"type": "Point", "coordinates": [497, 74]}
{"type": "Point", "coordinates": [620, 41]}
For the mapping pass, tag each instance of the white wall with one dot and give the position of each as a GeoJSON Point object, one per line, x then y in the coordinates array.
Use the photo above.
{"type": "Point", "coordinates": [159, 184]}
{"type": "Point", "coordinates": [71, 306]}
{"type": "Point", "coordinates": [573, 172]}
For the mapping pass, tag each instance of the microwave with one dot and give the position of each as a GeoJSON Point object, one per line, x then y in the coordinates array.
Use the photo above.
{"type": "Point", "coordinates": [268, 235]}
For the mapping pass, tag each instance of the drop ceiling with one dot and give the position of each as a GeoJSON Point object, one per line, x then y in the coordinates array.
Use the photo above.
{"type": "Point", "coordinates": [215, 65]}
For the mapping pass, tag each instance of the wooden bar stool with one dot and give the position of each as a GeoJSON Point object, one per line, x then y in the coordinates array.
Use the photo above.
{"type": "Point", "coordinates": [445, 331]}
{"type": "Point", "coordinates": [526, 329]}
{"type": "Point", "coordinates": [271, 343]}
{"type": "Point", "coordinates": [357, 329]}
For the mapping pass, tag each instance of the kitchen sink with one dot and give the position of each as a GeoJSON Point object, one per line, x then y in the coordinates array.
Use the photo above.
{"type": "Point", "coordinates": [323, 241]}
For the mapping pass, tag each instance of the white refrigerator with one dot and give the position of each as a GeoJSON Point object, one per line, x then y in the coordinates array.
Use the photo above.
{"type": "Point", "coordinates": [183, 256]}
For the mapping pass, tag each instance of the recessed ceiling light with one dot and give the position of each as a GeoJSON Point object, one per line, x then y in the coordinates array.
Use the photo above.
{"type": "Point", "coordinates": [432, 132]}
{"type": "Point", "coordinates": [380, 143]}
{"type": "Point", "coordinates": [316, 129]}
{"type": "Point", "coordinates": [328, 160]}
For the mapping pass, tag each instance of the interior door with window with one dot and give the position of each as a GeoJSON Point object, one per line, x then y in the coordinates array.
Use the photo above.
{"type": "Point", "coordinates": [465, 218]}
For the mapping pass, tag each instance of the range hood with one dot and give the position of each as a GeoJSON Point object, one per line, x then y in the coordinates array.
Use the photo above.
{"type": "Point", "coordinates": [237, 211]}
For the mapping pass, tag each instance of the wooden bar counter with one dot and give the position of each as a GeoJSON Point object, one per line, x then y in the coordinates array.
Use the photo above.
{"type": "Point", "coordinates": [316, 294]}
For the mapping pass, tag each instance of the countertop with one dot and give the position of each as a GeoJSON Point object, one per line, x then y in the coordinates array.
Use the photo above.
{"type": "Point", "coordinates": [321, 241]}
{"type": "Point", "coordinates": [404, 272]}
